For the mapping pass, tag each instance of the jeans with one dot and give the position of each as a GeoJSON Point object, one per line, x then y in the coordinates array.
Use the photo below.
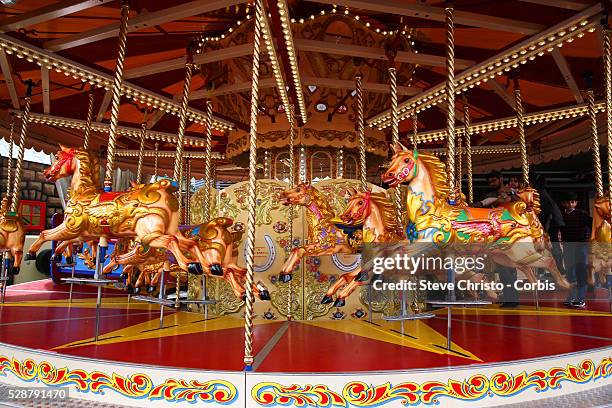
{"type": "Point", "coordinates": [575, 260]}
{"type": "Point", "coordinates": [507, 275]}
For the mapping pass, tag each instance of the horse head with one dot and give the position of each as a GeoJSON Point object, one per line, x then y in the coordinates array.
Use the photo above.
{"type": "Point", "coordinates": [298, 195]}
{"type": "Point", "coordinates": [358, 207]}
{"type": "Point", "coordinates": [402, 168]}
{"type": "Point", "coordinates": [65, 164]}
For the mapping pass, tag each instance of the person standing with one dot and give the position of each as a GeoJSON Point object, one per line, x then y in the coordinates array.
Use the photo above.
{"type": "Point", "coordinates": [575, 236]}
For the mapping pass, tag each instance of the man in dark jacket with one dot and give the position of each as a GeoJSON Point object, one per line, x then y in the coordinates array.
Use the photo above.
{"type": "Point", "coordinates": [575, 235]}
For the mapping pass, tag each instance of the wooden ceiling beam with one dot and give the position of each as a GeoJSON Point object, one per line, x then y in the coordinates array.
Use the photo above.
{"type": "Point", "coordinates": [44, 76]}
{"type": "Point", "coordinates": [376, 53]}
{"type": "Point", "coordinates": [206, 57]}
{"type": "Point", "coordinates": [374, 87]}
{"type": "Point", "coordinates": [501, 92]}
{"type": "Point", "coordinates": [567, 75]}
{"type": "Point", "coordinates": [140, 22]}
{"type": "Point", "coordinates": [565, 4]}
{"type": "Point", "coordinates": [7, 71]}
{"type": "Point", "coordinates": [426, 12]}
{"type": "Point", "coordinates": [108, 95]}
{"type": "Point", "coordinates": [50, 12]}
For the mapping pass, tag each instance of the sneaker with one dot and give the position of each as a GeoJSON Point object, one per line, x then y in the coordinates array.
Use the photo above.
{"type": "Point", "coordinates": [569, 302]}
{"type": "Point", "coordinates": [578, 304]}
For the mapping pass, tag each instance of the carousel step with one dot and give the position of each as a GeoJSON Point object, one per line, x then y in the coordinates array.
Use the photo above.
{"type": "Point", "coordinates": [417, 316]}
{"type": "Point", "coordinates": [459, 303]}
{"type": "Point", "coordinates": [198, 302]}
{"type": "Point", "coordinates": [157, 301]}
{"type": "Point", "coordinates": [88, 281]}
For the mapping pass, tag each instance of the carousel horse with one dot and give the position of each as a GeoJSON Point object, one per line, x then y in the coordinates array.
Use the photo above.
{"type": "Point", "coordinates": [219, 248]}
{"type": "Point", "coordinates": [146, 212]}
{"type": "Point", "coordinates": [601, 241]}
{"type": "Point", "coordinates": [513, 234]}
{"type": "Point", "coordinates": [12, 235]}
{"type": "Point", "coordinates": [377, 215]}
{"type": "Point", "coordinates": [325, 236]}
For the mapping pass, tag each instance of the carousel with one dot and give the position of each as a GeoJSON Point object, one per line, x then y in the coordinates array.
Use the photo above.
{"type": "Point", "coordinates": [231, 173]}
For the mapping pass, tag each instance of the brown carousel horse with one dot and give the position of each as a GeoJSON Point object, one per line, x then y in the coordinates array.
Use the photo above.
{"type": "Point", "coordinates": [513, 234]}
{"type": "Point", "coordinates": [12, 235]}
{"type": "Point", "coordinates": [219, 248]}
{"type": "Point", "coordinates": [377, 215]}
{"type": "Point", "coordinates": [147, 212]}
{"type": "Point", "coordinates": [325, 237]}
{"type": "Point", "coordinates": [601, 241]}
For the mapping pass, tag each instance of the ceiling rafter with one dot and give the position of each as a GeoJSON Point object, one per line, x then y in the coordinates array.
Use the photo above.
{"type": "Point", "coordinates": [567, 75]}
{"type": "Point", "coordinates": [140, 22]}
{"type": "Point", "coordinates": [7, 71]}
{"type": "Point", "coordinates": [424, 11]}
{"type": "Point", "coordinates": [46, 13]}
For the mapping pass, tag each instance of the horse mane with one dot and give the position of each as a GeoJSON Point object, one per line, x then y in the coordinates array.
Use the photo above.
{"type": "Point", "coordinates": [88, 168]}
{"type": "Point", "coordinates": [324, 206]}
{"type": "Point", "coordinates": [437, 172]}
{"type": "Point", "coordinates": [387, 210]}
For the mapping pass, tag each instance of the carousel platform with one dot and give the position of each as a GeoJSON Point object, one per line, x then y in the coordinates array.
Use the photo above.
{"type": "Point", "coordinates": [498, 356]}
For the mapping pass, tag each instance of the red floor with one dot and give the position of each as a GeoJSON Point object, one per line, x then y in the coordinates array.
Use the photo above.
{"type": "Point", "coordinates": [37, 315]}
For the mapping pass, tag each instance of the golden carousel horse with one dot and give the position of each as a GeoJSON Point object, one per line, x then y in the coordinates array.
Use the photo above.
{"type": "Point", "coordinates": [513, 235]}
{"type": "Point", "coordinates": [325, 237]}
{"type": "Point", "coordinates": [147, 212]}
{"type": "Point", "coordinates": [219, 248]}
{"type": "Point", "coordinates": [12, 235]}
{"type": "Point", "coordinates": [377, 215]}
{"type": "Point", "coordinates": [600, 258]}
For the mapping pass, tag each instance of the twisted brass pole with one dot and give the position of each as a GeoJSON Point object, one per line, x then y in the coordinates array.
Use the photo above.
{"type": "Point", "coordinates": [291, 208]}
{"type": "Point", "coordinates": [207, 160]}
{"type": "Point", "coordinates": [9, 166]}
{"type": "Point", "coordinates": [520, 123]}
{"type": "Point", "coordinates": [25, 121]}
{"type": "Point", "coordinates": [450, 96]}
{"type": "Point", "coordinates": [607, 45]}
{"type": "Point", "coordinates": [415, 129]}
{"type": "Point", "coordinates": [143, 132]}
{"type": "Point", "coordinates": [459, 164]}
{"type": "Point", "coordinates": [252, 192]}
{"type": "Point", "coordinates": [90, 107]}
{"type": "Point", "coordinates": [595, 144]}
{"type": "Point", "coordinates": [156, 158]}
{"type": "Point", "coordinates": [188, 192]}
{"type": "Point", "coordinates": [468, 152]}
{"type": "Point", "coordinates": [116, 99]}
{"type": "Point", "coordinates": [178, 159]}
{"type": "Point", "coordinates": [361, 134]}
{"type": "Point", "coordinates": [397, 199]}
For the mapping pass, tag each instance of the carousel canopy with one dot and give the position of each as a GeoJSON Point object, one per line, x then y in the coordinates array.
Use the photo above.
{"type": "Point", "coordinates": [69, 47]}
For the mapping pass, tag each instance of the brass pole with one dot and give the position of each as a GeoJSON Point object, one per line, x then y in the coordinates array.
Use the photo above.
{"type": "Point", "coordinates": [361, 134]}
{"type": "Point", "coordinates": [520, 122]}
{"type": "Point", "coordinates": [595, 144]}
{"type": "Point", "coordinates": [397, 199]}
{"type": "Point", "coordinates": [252, 191]}
{"type": "Point", "coordinates": [156, 159]}
{"type": "Point", "coordinates": [450, 96]}
{"type": "Point", "coordinates": [143, 132]}
{"type": "Point", "coordinates": [468, 152]}
{"type": "Point", "coordinates": [90, 107]}
{"type": "Point", "coordinates": [291, 208]}
{"type": "Point", "coordinates": [9, 166]}
{"type": "Point", "coordinates": [116, 99]}
{"type": "Point", "coordinates": [607, 46]}
{"type": "Point", "coordinates": [178, 159]}
{"type": "Point", "coordinates": [25, 121]}
{"type": "Point", "coordinates": [207, 160]}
